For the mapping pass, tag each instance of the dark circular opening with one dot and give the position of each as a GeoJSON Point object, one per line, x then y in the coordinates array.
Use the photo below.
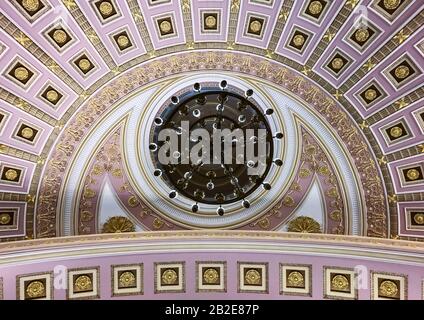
{"type": "Point", "coordinates": [224, 175]}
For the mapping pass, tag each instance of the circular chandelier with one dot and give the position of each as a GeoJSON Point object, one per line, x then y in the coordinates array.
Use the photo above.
{"type": "Point", "coordinates": [213, 144]}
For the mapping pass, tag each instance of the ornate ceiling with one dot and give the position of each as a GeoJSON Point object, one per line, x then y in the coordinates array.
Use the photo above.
{"type": "Point", "coordinates": [76, 71]}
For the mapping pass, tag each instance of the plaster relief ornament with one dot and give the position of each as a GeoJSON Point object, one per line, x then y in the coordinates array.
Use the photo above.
{"type": "Point", "coordinates": [295, 279]}
{"type": "Point", "coordinates": [35, 289]}
{"type": "Point", "coordinates": [169, 277]}
{"type": "Point", "coordinates": [253, 277]}
{"type": "Point", "coordinates": [118, 224]}
{"type": "Point", "coordinates": [304, 225]}
{"type": "Point", "coordinates": [388, 288]}
{"type": "Point", "coordinates": [31, 5]}
{"type": "Point", "coordinates": [315, 7]}
{"type": "Point", "coordinates": [127, 279]}
{"type": "Point", "coordinates": [210, 276]}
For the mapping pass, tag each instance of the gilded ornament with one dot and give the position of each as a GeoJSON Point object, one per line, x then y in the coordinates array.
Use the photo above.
{"type": "Point", "coordinates": [97, 170]}
{"type": "Point", "coordinates": [126, 279]}
{"type": "Point", "coordinates": [252, 277]}
{"type": "Point", "coordinates": [83, 283]}
{"type": "Point", "coordinates": [84, 64]}
{"type": "Point", "coordinates": [332, 192]}
{"type": "Point", "coordinates": [418, 218]}
{"type": "Point", "coordinates": [27, 133]}
{"type": "Point", "coordinates": [255, 26]}
{"type": "Point", "coordinates": [413, 174]}
{"type": "Point", "coordinates": [21, 73]}
{"type": "Point", "coordinates": [337, 63]}
{"type": "Point", "coordinates": [123, 41]}
{"type": "Point", "coordinates": [264, 223]}
{"type": "Point", "coordinates": [210, 21]}
{"type": "Point", "coordinates": [288, 201]}
{"type": "Point", "coordinates": [169, 276]}
{"type": "Point", "coordinates": [35, 289]}
{"type": "Point", "coordinates": [295, 279]}
{"type": "Point", "coordinates": [370, 94]}
{"type": "Point", "coordinates": [165, 26]}
{"type": "Point", "coordinates": [315, 7]}
{"type": "Point", "coordinates": [106, 8]}
{"type": "Point", "coordinates": [298, 40]}
{"type": "Point", "coordinates": [304, 173]}
{"type": "Point", "coordinates": [304, 225]}
{"type": "Point", "coordinates": [311, 149]}
{"type": "Point", "coordinates": [117, 173]}
{"type": "Point", "coordinates": [133, 201]}
{"type": "Point", "coordinates": [391, 4]}
{"type": "Point", "coordinates": [52, 95]}
{"type": "Point", "coordinates": [86, 216]}
{"type": "Point", "coordinates": [11, 174]}
{"type": "Point", "coordinates": [324, 170]}
{"type": "Point", "coordinates": [118, 224]}
{"type": "Point", "coordinates": [31, 5]}
{"type": "Point", "coordinates": [210, 276]}
{"type": "Point", "coordinates": [89, 193]}
{"type": "Point", "coordinates": [336, 215]}
{"type": "Point", "coordinates": [402, 72]}
{"type": "Point", "coordinates": [340, 283]}
{"type": "Point", "coordinates": [362, 34]}
{"type": "Point", "coordinates": [4, 218]}
{"type": "Point", "coordinates": [388, 288]}
{"type": "Point", "coordinates": [158, 223]}
{"type": "Point", "coordinates": [396, 132]}
{"type": "Point", "coordinates": [60, 36]}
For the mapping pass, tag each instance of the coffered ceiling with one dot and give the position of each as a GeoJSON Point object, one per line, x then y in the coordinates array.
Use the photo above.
{"type": "Point", "coordinates": [55, 56]}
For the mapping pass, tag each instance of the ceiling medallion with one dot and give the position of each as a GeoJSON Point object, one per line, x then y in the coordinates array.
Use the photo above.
{"type": "Point", "coordinates": [123, 41]}
{"type": "Point", "coordinates": [295, 279]}
{"type": "Point", "coordinates": [304, 225]}
{"type": "Point", "coordinates": [315, 7]}
{"type": "Point", "coordinates": [370, 94]}
{"type": "Point", "coordinates": [83, 283]}
{"type": "Point", "coordinates": [127, 279]}
{"type": "Point", "coordinates": [35, 289]}
{"type": "Point", "coordinates": [84, 64]}
{"type": "Point", "coordinates": [362, 34]}
{"type": "Point", "coordinates": [169, 277]}
{"type": "Point", "coordinates": [298, 40]}
{"type": "Point", "coordinates": [388, 288]}
{"type": "Point", "coordinates": [210, 21]}
{"type": "Point", "coordinates": [27, 133]}
{"type": "Point", "coordinates": [5, 218]}
{"type": "Point", "coordinates": [118, 224]}
{"type": "Point", "coordinates": [31, 5]}
{"type": "Point", "coordinates": [396, 132]}
{"type": "Point", "coordinates": [419, 218]}
{"type": "Point", "coordinates": [413, 174]}
{"type": "Point", "coordinates": [21, 73]}
{"type": "Point", "coordinates": [106, 8]}
{"type": "Point", "coordinates": [210, 276]}
{"type": "Point", "coordinates": [252, 277]}
{"type": "Point", "coordinates": [165, 26]}
{"type": "Point", "coordinates": [391, 4]}
{"type": "Point", "coordinates": [11, 174]}
{"type": "Point", "coordinates": [402, 72]}
{"type": "Point", "coordinates": [60, 36]}
{"type": "Point", "coordinates": [52, 95]}
{"type": "Point", "coordinates": [255, 26]}
{"type": "Point", "coordinates": [340, 283]}
{"type": "Point", "coordinates": [337, 63]}
{"type": "Point", "coordinates": [218, 127]}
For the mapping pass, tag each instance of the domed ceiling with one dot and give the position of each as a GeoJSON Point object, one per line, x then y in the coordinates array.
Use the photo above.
{"type": "Point", "coordinates": [83, 82]}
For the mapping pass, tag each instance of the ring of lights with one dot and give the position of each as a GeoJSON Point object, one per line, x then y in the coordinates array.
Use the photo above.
{"type": "Point", "coordinates": [180, 208]}
{"type": "Point", "coordinates": [212, 109]}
